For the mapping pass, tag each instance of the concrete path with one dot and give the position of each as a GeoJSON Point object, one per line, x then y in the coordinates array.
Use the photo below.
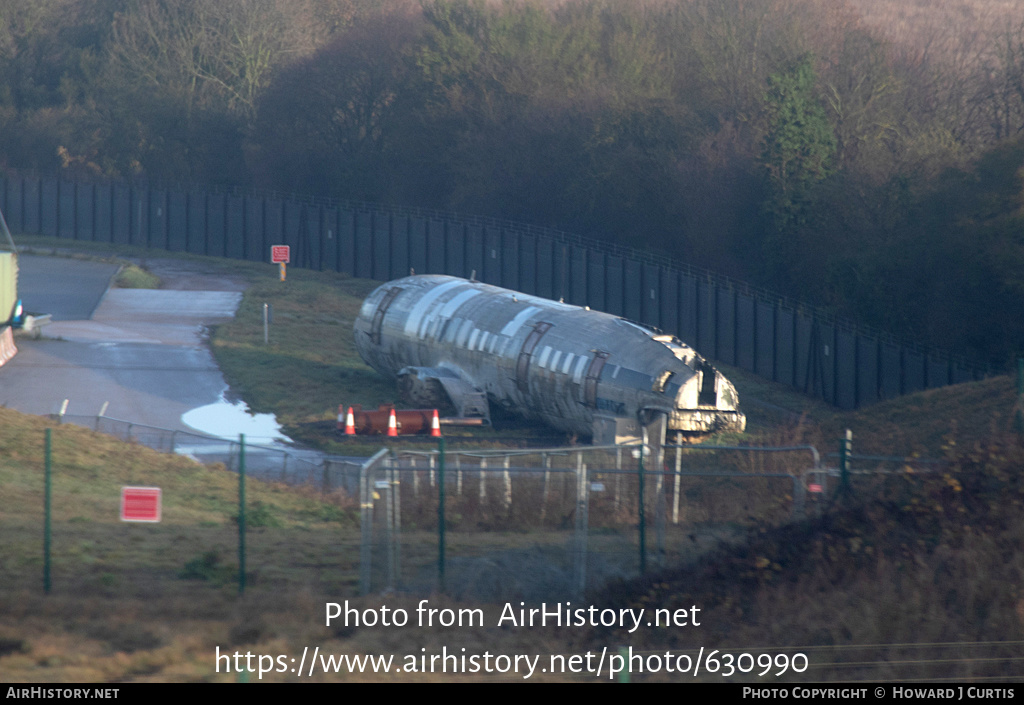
{"type": "Point", "coordinates": [143, 352]}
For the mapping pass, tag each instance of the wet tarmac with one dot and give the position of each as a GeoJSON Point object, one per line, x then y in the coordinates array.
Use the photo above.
{"type": "Point", "coordinates": [140, 354]}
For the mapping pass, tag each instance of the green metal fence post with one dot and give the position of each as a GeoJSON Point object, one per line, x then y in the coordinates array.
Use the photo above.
{"type": "Point", "coordinates": [845, 449]}
{"type": "Point", "coordinates": [440, 515]}
{"type": "Point", "coordinates": [241, 514]}
{"type": "Point", "coordinates": [640, 511]}
{"type": "Point", "coordinates": [47, 511]}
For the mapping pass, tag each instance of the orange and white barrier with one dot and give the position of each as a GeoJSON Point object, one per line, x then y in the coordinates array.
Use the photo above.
{"type": "Point", "coordinates": [389, 421]}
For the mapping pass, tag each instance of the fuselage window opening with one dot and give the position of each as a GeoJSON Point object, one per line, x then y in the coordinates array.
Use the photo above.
{"type": "Point", "coordinates": [707, 395]}
{"type": "Point", "coordinates": [661, 381]}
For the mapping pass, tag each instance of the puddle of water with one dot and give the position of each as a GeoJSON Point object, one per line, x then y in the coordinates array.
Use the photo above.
{"type": "Point", "coordinates": [225, 419]}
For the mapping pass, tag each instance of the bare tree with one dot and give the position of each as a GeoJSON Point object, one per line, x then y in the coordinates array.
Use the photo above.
{"type": "Point", "coordinates": [221, 53]}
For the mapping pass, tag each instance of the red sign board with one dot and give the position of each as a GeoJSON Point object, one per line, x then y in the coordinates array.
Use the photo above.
{"type": "Point", "coordinates": [280, 253]}
{"type": "Point", "coordinates": [814, 487]}
{"type": "Point", "coordinates": [140, 504]}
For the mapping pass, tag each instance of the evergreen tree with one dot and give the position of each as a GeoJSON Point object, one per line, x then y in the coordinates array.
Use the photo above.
{"type": "Point", "coordinates": [799, 143]}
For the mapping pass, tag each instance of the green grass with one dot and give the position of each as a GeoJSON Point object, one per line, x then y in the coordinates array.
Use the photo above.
{"type": "Point", "coordinates": [309, 365]}
{"type": "Point", "coordinates": [132, 276]}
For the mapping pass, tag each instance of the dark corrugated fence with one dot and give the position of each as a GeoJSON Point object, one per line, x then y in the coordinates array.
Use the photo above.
{"type": "Point", "coordinates": [725, 320]}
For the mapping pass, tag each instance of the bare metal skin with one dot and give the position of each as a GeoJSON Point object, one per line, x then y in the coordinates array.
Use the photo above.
{"type": "Point", "coordinates": [465, 344]}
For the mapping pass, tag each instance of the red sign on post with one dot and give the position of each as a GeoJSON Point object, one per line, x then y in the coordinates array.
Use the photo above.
{"type": "Point", "coordinates": [280, 253]}
{"type": "Point", "coordinates": [140, 504]}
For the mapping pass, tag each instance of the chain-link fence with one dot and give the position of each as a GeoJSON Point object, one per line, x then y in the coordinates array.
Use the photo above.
{"type": "Point", "coordinates": [275, 463]}
{"type": "Point", "coordinates": [542, 524]}
{"type": "Point", "coordinates": [533, 524]}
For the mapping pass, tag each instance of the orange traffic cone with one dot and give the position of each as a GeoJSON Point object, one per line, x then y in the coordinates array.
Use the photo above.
{"type": "Point", "coordinates": [350, 423]}
{"type": "Point", "coordinates": [435, 426]}
{"type": "Point", "coordinates": [392, 424]}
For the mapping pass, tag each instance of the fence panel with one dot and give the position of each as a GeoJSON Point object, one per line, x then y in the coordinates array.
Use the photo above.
{"type": "Point", "coordinates": [435, 247]}
{"type": "Point", "coordinates": [785, 349]}
{"type": "Point", "coordinates": [560, 262]}
{"type": "Point", "coordinates": [234, 227]}
{"type": "Point", "coordinates": [596, 278]}
{"type": "Point", "coordinates": [30, 203]}
{"type": "Point", "coordinates": [455, 251]}
{"type": "Point", "coordinates": [85, 202]}
{"type": "Point", "coordinates": [827, 349]}
{"type": "Point", "coordinates": [577, 277]}
{"type": "Point", "coordinates": [670, 301]}
{"type": "Point", "coordinates": [313, 235]}
{"type": "Point", "coordinates": [846, 370]}
{"type": "Point", "coordinates": [614, 286]}
{"type": "Point", "coordinates": [30, 199]}
{"type": "Point", "coordinates": [121, 214]}
{"type": "Point", "coordinates": [492, 256]}
{"type": "Point", "coordinates": [103, 227]}
{"type": "Point", "coordinates": [418, 244]}
{"type": "Point", "coordinates": [255, 230]}
{"type": "Point", "coordinates": [806, 371]}
{"type": "Point", "coordinates": [764, 362]}
{"type": "Point", "coordinates": [49, 214]}
{"type": "Point", "coordinates": [632, 293]}
{"type": "Point", "coordinates": [216, 225]}
{"type": "Point", "coordinates": [475, 246]}
{"type": "Point", "coordinates": [528, 264]}
{"type": "Point", "coordinates": [381, 246]}
{"type": "Point", "coordinates": [274, 232]}
{"type": "Point", "coordinates": [546, 270]}
{"type": "Point", "coordinates": [890, 374]}
{"type": "Point", "coordinates": [725, 333]}
{"type": "Point", "coordinates": [177, 221]}
{"type": "Point", "coordinates": [66, 210]}
{"type": "Point", "coordinates": [867, 370]}
{"type": "Point", "coordinates": [197, 228]}
{"type": "Point", "coordinates": [293, 226]}
{"type": "Point", "coordinates": [650, 304]}
{"type": "Point", "coordinates": [746, 330]}
{"type": "Point", "coordinates": [399, 246]}
{"type": "Point", "coordinates": [363, 264]}
{"type": "Point", "coordinates": [12, 203]}
{"type": "Point", "coordinates": [509, 259]}
{"type": "Point", "coordinates": [688, 309]}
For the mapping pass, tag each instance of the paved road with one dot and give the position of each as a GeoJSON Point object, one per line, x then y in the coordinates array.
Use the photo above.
{"type": "Point", "coordinates": [143, 354]}
{"type": "Point", "coordinates": [69, 289]}
{"type": "Point", "coordinates": [141, 351]}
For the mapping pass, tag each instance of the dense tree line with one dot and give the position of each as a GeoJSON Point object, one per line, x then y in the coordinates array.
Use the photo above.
{"type": "Point", "coordinates": [779, 141]}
